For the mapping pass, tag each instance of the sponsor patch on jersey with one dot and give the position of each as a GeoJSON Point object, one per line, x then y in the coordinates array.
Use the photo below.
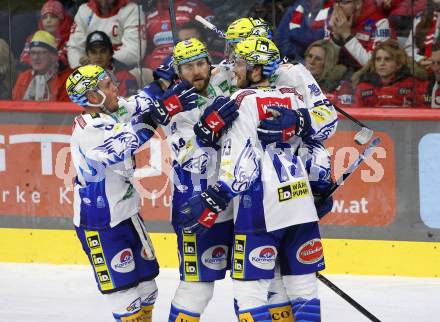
{"type": "Point", "coordinates": [224, 86]}
{"type": "Point", "coordinates": [295, 190]}
{"type": "Point", "coordinates": [367, 93]}
{"type": "Point", "coordinates": [318, 116]}
{"type": "Point", "coordinates": [384, 33]}
{"type": "Point", "coordinates": [264, 102]}
{"type": "Point", "coordinates": [314, 89]}
{"type": "Point", "coordinates": [81, 122]}
{"type": "Point", "coordinates": [310, 252]}
{"type": "Point", "coordinates": [292, 90]}
{"type": "Point", "coordinates": [123, 262]}
{"type": "Point", "coordinates": [239, 98]}
{"type": "Point", "coordinates": [263, 257]}
{"type": "Point", "coordinates": [215, 257]}
{"type": "Point", "coordinates": [403, 91]}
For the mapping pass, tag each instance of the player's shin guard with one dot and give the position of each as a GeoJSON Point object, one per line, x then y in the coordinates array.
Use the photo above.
{"type": "Point", "coordinates": [258, 314]}
{"type": "Point", "coordinates": [179, 315]}
{"type": "Point", "coordinates": [307, 310]}
{"type": "Point", "coordinates": [281, 312]}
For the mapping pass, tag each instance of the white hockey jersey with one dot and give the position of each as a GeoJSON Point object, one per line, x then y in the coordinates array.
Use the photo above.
{"type": "Point", "coordinates": [300, 78]}
{"type": "Point", "coordinates": [194, 167]}
{"type": "Point", "coordinates": [272, 182]}
{"type": "Point", "coordinates": [122, 28]}
{"type": "Point", "coordinates": [102, 148]}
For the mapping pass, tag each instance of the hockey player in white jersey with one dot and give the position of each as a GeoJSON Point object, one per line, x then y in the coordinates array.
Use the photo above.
{"type": "Point", "coordinates": [193, 138]}
{"type": "Point", "coordinates": [106, 204]}
{"type": "Point", "coordinates": [275, 216]}
{"type": "Point", "coordinates": [315, 156]}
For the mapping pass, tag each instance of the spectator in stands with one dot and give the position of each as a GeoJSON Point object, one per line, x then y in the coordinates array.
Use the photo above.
{"type": "Point", "coordinates": [426, 28]}
{"type": "Point", "coordinates": [7, 70]}
{"type": "Point", "coordinates": [99, 51]}
{"type": "Point", "coordinates": [302, 24]}
{"type": "Point", "coordinates": [356, 27]}
{"type": "Point", "coordinates": [270, 11]}
{"type": "Point", "coordinates": [387, 81]}
{"type": "Point", "coordinates": [159, 34]}
{"type": "Point", "coordinates": [45, 81]}
{"type": "Point", "coordinates": [400, 14]}
{"type": "Point", "coordinates": [119, 19]}
{"type": "Point", "coordinates": [55, 21]}
{"type": "Point", "coordinates": [321, 61]}
{"type": "Point", "coordinates": [433, 91]}
{"type": "Point", "coordinates": [193, 29]}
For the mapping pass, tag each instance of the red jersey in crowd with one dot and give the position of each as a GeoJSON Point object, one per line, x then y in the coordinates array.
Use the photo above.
{"type": "Point", "coordinates": [371, 92]}
{"type": "Point", "coordinates": [370, 28]}
{"type": "Point", "coordinates": [55, 90]}
{"type": "Point", "coordinates": [159, 35]}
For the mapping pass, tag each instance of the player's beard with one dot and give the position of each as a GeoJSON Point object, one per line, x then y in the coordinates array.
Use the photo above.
{"type": "Point", "coordinates": [201, 84]}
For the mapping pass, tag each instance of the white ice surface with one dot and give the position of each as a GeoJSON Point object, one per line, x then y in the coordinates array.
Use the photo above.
{"type": "Point", "coordinates": [46, 293]}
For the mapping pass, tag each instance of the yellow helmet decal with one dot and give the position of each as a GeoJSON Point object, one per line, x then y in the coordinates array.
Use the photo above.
{"type": "Point", "coordinates": [247, 27]}
{"type": "Point", "coordinates": [82, 80]}
{"type": "Point", "coordinates": [257, 51]}
{"type": "Point", "coordinates": [188, 50]}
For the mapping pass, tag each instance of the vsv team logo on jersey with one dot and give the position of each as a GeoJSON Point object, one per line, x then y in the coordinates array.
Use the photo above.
{"type": "Point", "coordinates": [310, 252]}
{"type": "Point", "coordinates": [215, 257]}
{"type": "Point", "coordinates": [264, 102]}
{"type": "Point", "coordinates": [263, 257]}
{"type": "Point", "coordinates": [123, 262]}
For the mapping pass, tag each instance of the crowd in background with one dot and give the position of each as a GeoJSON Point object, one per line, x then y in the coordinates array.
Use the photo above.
{"type": "Point", "coordinates": [363, 53]}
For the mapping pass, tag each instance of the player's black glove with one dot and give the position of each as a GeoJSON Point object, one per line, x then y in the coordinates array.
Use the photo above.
{"type": "Point", "coordinates": [216, 118]}
{"type": "Point", "coordinates": [178, 98]}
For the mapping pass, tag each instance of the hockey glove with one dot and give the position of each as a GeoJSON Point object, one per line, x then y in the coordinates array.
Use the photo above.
{"type": "Point", "coordinates": [153, 90]}
{"type": "Point", "coordinates": [323, 207]}
{"type": "Point", "coordinates": [215, 120]}
{"type": "Point", "coordinates": [200, 212]}
{"type": "Point", "coordinates": [284, 124]}
{"type": "Point", "coordinates": [165, 70]}
{"type": "Point", "coordinates": [319, 189]}
{"type": "Point", "coordinates": [180, 97]}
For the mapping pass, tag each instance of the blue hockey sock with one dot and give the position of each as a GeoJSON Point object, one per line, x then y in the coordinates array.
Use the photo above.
{"type": "Point", "coordinates": [307, 310]}
{"type": "Point", "coordinates": [177, 315]}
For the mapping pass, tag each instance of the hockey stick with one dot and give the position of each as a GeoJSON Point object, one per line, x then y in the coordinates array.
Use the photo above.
{"type": "Point", "coordinates": [362, 137]}
{"type": "Point", "coordinates": [347, 297]}
{"type": "Point", "coordinates": [210, 26]}
{"type": "Point", "coordinates": [365, 154]}
{"type": "Point", "coordinates": [361, 158]}
{"type": "Point", "coordinates": [173, 21]}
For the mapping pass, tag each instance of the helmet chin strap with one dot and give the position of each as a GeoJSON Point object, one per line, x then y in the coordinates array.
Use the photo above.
{"type": "Point", "coordinates": [100, 104]}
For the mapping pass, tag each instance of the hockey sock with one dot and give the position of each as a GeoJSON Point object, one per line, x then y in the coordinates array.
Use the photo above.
{"type": "Point", "coordinates": [177, 315]}
{"type": "Point", "coordinates": [147, 312]}
{"type": "Point", "coordinates": [130, 317]}
{"type": "Point", "coordinates": [307, 310]}
{"type": "Point", "coordinates": [281, 312]}
{"type": "Point", "coordinates": [258, 314]}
